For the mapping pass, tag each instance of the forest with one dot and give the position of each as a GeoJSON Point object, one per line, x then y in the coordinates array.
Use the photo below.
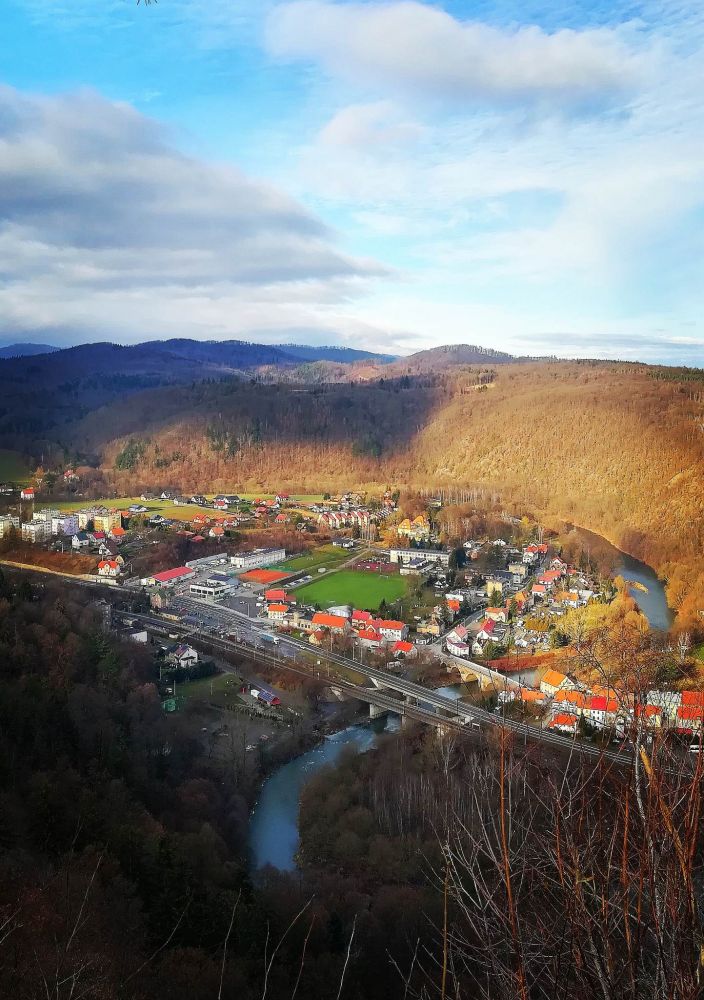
{"type": "Point", "coordinates": [429, 867]}
{"type": "Point", "coordinates": [617, 449]}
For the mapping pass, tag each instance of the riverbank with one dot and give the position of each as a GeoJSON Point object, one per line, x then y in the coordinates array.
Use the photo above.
{"type": "Point", "coordinates": [273, 825]}
{"type": "Point", "coordinates": [644, 585]}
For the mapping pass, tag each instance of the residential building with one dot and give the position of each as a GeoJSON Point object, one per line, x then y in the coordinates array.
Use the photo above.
{"type": "Point", "coordinates": [109, 567]}
{"type": "Point", "coordinates": [183, 655]}
{"type": "Point", "coordinates": [36, 530]}
{"type": "Point", "coordinates": [64, 524]}
{"type": "Point", "coordinates": [418, 529]}
{"type": "Point", "coordinates": [80, 540]}
{"type": "Point", "coordinates": [391, 629]}
{"type": "Point", "coordinates": [404, 650]}
{"type": "Point", "coordinates": [335, 623]}
{"type": "Point", "coordinates": [565, 722]}
{"type": "Point", "coordinates": [277, 612]}
{"type": "Point", "coordinates": [7, 523]}
{"type": "Point", "coordinates": [552, 682]}
{"type": "Point", "coordinates": [27, 493]}
{"type": "Point", "coordinates": [107, 520]}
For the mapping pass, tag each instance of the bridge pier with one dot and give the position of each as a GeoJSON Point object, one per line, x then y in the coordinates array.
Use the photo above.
{"type": "Point", "coordinates": [375, 711]}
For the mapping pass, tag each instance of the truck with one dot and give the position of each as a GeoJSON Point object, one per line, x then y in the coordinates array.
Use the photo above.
{"type": "Point", "coordinates": [268, 637]}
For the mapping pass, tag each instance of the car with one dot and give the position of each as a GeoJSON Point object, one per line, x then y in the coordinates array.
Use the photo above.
{"type": "Point", "coordinates": [250, 746]}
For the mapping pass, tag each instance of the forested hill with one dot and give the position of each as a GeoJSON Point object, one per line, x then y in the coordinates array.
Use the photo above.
{"type": "Point", "coordinates": [612, 447]}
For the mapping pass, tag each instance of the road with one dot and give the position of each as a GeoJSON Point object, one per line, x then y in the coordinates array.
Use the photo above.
{"type": "Point", "coordinates": [287, 649]}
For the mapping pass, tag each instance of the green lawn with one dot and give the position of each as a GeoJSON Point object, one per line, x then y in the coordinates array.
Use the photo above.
{"type": "Point", "coordinates": [14, 467]}
{"type": "Point", "coordinates": [325, 555]}
{"type": "Point", "coordinates": [360, 589]}
{"type": "Point", "coordinates": [225, 689]}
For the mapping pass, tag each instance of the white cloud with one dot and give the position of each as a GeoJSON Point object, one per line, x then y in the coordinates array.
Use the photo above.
{"type": "Point", "coordinates": [105, 228]}
{"type": "Point", "coordinates": [410, 47]}
{"type": "Point", "coordinates": [369, 126]}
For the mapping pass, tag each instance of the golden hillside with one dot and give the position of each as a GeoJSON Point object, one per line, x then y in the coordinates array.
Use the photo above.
{"type": "Point", "coordinates": [610, 447]}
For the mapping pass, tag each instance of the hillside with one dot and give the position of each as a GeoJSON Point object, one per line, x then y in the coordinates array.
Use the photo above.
{"type": "Point", "coordinates": [26, 350]}
{"type": "Point", "coordinates": [607, 446]}
{"type": "Point", "coordinates": [437, 359]}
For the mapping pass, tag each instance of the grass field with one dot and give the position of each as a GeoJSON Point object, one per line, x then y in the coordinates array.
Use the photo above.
{"type": "Point", "coordinates": [14, 467]}
{"type": "Point", "coordinates": [224, 688]}
{"type": "Point", "coordinates": [360, 589]}
{"type": "Point", "coordinates": [164, 507]}
{"type": "Point", "coordinates": [325, 555]}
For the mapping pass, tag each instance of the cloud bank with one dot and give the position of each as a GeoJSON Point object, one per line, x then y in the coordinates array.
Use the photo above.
{"type": "Point", "coordinates": [418, 49]}
{"type": "Point", "coordinates": [105, 228]}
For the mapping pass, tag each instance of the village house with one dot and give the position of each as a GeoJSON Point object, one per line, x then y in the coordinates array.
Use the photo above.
{"type": "Point", "coordinates": [497, 614]}
{"type": "Point", "coordinates": [277, 612]}
{"type": "Point", "coordinates": [335, 623]}
{"type": "Point", "coordinates": [371, 638]}
{"type": "Point", "coordinates": [565, 722]}
{"type": "Point", "coordinates": [690, 718]}
{"type": "Point", "coordinates": [27, 493]}
{"type": "Point", "coordinates": [418, 529]}
{"type": "Point", "coordinates": [391, 629]}
{"type": "Point", "coordinates": [80, 540]}
{"type": "Point", "coordinates": [183, 656]}
{"type": "Point", "coordinates": [456, 641]}
{"type": "Point", "coordinates": [110, 567]}
{"type": "Point", "coordinates": [404, 650]}
{"type": "Point", "coordinates": [553, 681]}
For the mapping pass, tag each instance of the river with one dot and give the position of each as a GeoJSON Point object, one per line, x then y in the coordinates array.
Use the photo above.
{"type": "Point", "coordinates": [273, 827]}
{"type": "Point", "coordinates": [652, 601]}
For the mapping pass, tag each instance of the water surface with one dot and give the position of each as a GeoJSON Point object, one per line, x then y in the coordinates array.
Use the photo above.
{"type": "Point", "coordinates": [273, 826]}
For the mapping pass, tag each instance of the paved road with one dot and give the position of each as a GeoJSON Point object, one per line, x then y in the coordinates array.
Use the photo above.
{"type": "Point", "coordinates": [286, 650]}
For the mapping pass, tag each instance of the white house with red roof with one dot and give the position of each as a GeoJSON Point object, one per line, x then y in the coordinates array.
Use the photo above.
{"type": "Point", "coordinates": [109, 567]}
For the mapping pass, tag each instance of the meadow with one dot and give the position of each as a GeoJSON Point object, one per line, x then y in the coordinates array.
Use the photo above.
{"type": "Point", "coordinates": [13, 467]}
{"type": "Point", "coordinates": [360, 589]}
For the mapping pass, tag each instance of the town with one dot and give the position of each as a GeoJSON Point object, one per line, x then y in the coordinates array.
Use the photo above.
{"type": "Point", "coordinates": [379, 580]}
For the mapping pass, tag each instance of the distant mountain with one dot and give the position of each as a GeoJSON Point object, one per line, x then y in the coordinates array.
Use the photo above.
{"type": "Point", "coordinates": [451, 356]}
{"type": "Point", "coordinates": [340, 355]}
{"type": "Point", "coordinates": [239, 354]}
{"type": "Point", "coordinates": [26, 350]}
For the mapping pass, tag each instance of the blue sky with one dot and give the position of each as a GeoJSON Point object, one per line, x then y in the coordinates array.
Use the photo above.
{"type": "Point", "coordinates": [390, 175]}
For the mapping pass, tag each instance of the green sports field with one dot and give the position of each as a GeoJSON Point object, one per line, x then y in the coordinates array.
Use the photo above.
{"type": "Point", "coordinates": [324, 555]}
{"type": "Point", "coordinates": [360, 589]}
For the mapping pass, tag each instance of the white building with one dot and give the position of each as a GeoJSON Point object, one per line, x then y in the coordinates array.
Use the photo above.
{"type": "Point", "coordinates": [47, 515]}
{"type": "Point", "coordinates": [211, 589]}
{"type": "Point", "coordinates": [257, 558]}
{"type": "Point", "coordinates": [7, 523]}
{"type": "Point", "coordinates": [183, 656]}
{"type": "Point", "coordinates": [36, 530]}
{"type": "Point", "coordinates": [404, 556]}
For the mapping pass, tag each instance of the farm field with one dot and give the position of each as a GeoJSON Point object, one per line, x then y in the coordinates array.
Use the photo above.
{"type": "Point", "coordinates": [362, 590]}
{"type": "Point", "coordinates": [14, 467]}
{"type": "Point", "coordinates": [325, 555]}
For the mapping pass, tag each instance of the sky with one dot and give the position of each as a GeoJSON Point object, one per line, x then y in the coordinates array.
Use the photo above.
{"type": "Point", "coordinates": [383, 175]}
